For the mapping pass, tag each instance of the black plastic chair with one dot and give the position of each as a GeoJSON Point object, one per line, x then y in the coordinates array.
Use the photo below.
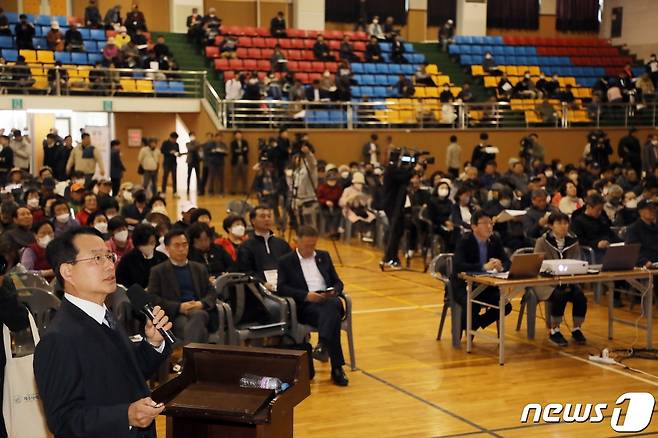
{"type": "Point", "coordinates": [441, 268]}
{"type": "Point", "coordinates": [41, 303]}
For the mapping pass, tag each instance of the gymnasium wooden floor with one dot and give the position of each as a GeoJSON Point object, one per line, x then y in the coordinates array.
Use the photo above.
{"type": "Point", "coordinates": [410, 385]}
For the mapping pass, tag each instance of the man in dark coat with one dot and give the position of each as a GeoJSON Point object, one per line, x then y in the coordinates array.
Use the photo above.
{"type": "Point", "coordinates": [91, 377]}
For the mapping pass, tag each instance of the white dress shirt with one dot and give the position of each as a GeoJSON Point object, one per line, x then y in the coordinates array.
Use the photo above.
{"type": "Point", "coordinates": [314, 279]}
{"type": "Point", "coordinates": [233, 89]}
{"type": "Point", "coordinates": [97, 313]}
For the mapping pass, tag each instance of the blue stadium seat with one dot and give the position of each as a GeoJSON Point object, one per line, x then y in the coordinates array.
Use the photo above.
{"type": "Point", "coordinates": [531, 51]}
{"type": "Point", "coordinates": [497, 50]}
{"type": "Point", "coordinates": [161, 86]}
{"type": "Point", "coordinates": [10, 54]}
{"type": "Point", "coordinates": [468, 39]}
{"type": "Point", "coordinates": [380, 80]}
{"type": "Point", "coordinates": [79, 58]}
{"type": "Point", "coordinates": [371, 68]}
{"type": "Point", "coordinates": [382, 68]}
{"type": "Point", "coordinates": [65, 57]}
{"type": "Point", "coordinates": [93, 58]}
{"type": "Point", "coordinates": [62, 20]}
{"type": "Point", "coordinates": [455, 49]}
{"type": "Point", "coordinates": [523, 60]}
{"type": "Point", "coordinates": [564, 60]}
{"type": "Point", "coordinates": [43, 20]}
{"type": "Point", "coordinates": [90, 46]}
{"type": "Point", "coordinates": [386, 47]}
{"type": "Point", "coordinates": [101, 45]}
{"type": "Point", "coordinates": [380, 92]}
{"type": "Point", "coordinates": [408, 47]}
{"type": "Point", "coordinates": [176, 87]}
{"type": "Point", "coordinates": [98, 34]}
{"type": "Point", "coordinates": [6, 42]}
{"type": "Point", "coordinates": [466, 60]}
{"type": "Point", "coordinates": [367, 91]}
{"type": "Point", "coordinates": [478, 40]}
{"type": "Point", "coordinates": [460, 39]}
{"type": "Point", "coordinates": [408, 69]}
{"type": "Point", "coordinates": [40, 31]}
{"type": "Point", "coordinates": [12, 17]}
{"type": "Point", "coordinates": [533, 60]}
{"type": "Point", "coordinates": [509, 50]}
{"type": "Point", "coordinates": [40, 43]}
{"type": "Point", "coordinates": [497, 40]}
{"type": "Point", "coordinates": [367, 80]}
{"type": "Point", "coordinates": [357, 67]}
{"type": "Point", "coordinates": [356, 91]}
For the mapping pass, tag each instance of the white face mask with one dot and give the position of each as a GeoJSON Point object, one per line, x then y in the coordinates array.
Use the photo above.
{"type": "Point", "coordinates": [102, 227]}
{"type": "Point", "coordinates": [128, 196]}
{"type": "Point", "coordinates": [45, 240]}
{"type": "Point", "coordinates": [147, 251]}
{"type": "Point", "coordinates": [344, 175]}
{"type": "Point", "coordinates": [631, 203]}
{"type": "Point", "coordinates": [549, 174]}
{"type": "Point", "coordinates": [121, 236]}
{"type": "Point", "coordinates": [33, 202]}
{"type": "Point", "coordinates": [63, 218]}
{"type": "Point", "coordinates": [238, 230]}
{"type": "Point", "coordinates": [443, 192]}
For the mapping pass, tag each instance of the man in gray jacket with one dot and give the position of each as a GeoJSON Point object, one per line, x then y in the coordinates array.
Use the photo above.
{"type": "Point", "coordinates": [22, 147]}
{"type": "Point", "coordinates": [558, 243]}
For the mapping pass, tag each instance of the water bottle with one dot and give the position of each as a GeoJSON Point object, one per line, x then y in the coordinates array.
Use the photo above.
{"type": "Point", "coordinates": [263, 382]}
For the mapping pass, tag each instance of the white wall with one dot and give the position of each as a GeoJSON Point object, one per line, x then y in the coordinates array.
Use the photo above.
{"type": "Point", "coordinates": [471, 18]}
{"type": "Point", "coordinates": [640, 18]}
{"type": "Point", "coordinates": [179, 11]}
{"type": "Point", "coordinates": [548, 7]}
{"type": "Point", "coordinates": [308, 14]}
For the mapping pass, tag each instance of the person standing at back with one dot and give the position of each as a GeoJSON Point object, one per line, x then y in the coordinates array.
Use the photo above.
{"type": "Point", "coordinates": [239, 163]}
{"type": "Point", "coordinates": [170, 152]}
{"type": "Point", "coordinates": [453, 157]}
{"type": "Point", "coordinates": [116, 166]}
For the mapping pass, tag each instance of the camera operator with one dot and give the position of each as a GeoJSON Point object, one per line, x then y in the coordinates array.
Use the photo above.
{"type": "Point", "coordinates": [398, 173]}
{"type": "Point", "coordinates": [304, 183]}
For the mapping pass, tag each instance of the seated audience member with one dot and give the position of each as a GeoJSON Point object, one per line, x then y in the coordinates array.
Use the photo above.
{"type": "Point", "coordinates": [558, 243]}
{"type": "Point", "coordinates": [504, 88]}
{"type": "Point", "coordinates": [535, 221]}
{"type": "Point", "coordinates": [278, 61]}
{"type": "Point", "coordinates": [135, 266]}
{"type": "Point", "coordinates": [489, 65]}
{"type": "Point", "coordinates": [184, 290]}
{"type": "Point", "coordinates": [423, 77]}
{"type": "Point", "coordinates": [258, 256]}
{"type": "Point", "coordinates": [235, 227]}
{"type": "Point", "coordinates": [21, 75]}
{"type": "Point", "coordinates": [570, 202]}
{"type": "Point", "coordinates": [161, 49]}
{"type": "Point", "coordinates": [397, 51]}
{"type": "Point", "coordinates": [374, 50]}
{"type": "Point", "coordinates": [228, 47]}
{"type": "Point", "coordinates": [329, 194]}
{"type": "Point", "coordinates": [592, 227]}
{"type": "Point", "coordinates": [63, 221]}
{"type": "Point", "coordinates": [321, 50]}
{"type": "Point", "coordinates": [73, 41]}
{"type": "Point", "coordinates": [316, 94]}
{"type": "Point", "coordinates": [308, 276]}
{"type": "Point", "coordinates": [645, 232]}
{"type": "Point", "coordinates": [629, 214]}
{"type": "Point", "coordinates": [33, 257]}
{"type": "Point", "coordinates": [110, 53]}
{"type": "Point", "coordinates": [446, 95]}
{"type": "Point", "coordinates": [55, 38]}
{"type": "Point", "coordinates": [136, 212]}
{"type": "Point", "coordinates": [24, 32]}
{"type": "Point", "coordinates": [347, 50]}
{"type": "Point", "coordinates": [480, 251]}
{"type": "Point", "coordinates": [203, 250]}
{"type": "Point", "coordinates": [89, 206]}
{"type": "Point", "coordinates": [32, 201]}
{"type": "Point", "coordinates": [525, 88]}
{"type": "Point", "coordinates": [58, 79]}
{"type": "Point", "coordinates": [355, 202]}
{"type": "Point", "coordinates": [99, 221]}
{"type": "Point", "coordinates": [404, 86]}
{"type": "Point", "coordinates": [278, 25]}
{"type": "Point", "coordinates": [119, 242]}
{"type": "Point", "coordinates": [375, 29]}
{"type": "Point", "coordinates": [121, 39]}
{"type": "Point", "coordinates": [463, 208]}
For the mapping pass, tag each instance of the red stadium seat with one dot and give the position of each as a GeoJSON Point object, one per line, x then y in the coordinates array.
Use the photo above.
{"type": "Point", "coordinates": [258, 42]}
{"type": "Point", "coordinates": [241, 52]}
{"type": "Point", "coordinates": [232, 30]}
{"type": "Point", "coordinates": [270, 42]}
{"type": "Point", "coordinates": [303, 77]}
{"type": "Point", "coordinates": [263, 31]}
{"type": "Point", "coordinates": [307, 55]}
{"type": "Point", "coordinates": [264, 64]}
{"type": "Point", "coordinates": [317, 66]}
{"type": "Point", "coordinates": [293, 65]}
{"type": "Point", "coordinates": [236, 64]}
{"type": "Point", "coordinates": [228, 75]}
{"type": "Point", "coordinates": [314, 77]}
{"type": "Point", "coordinates": [261, 75]}
{"type": "Point", "coordinates": [253, 53]}
{"type": "Point", "coordinates": [297, 44]}
{"type": "Point", "coordinates": [295, 33]}
{"type": "Point", "coordinates": [359, 46]}
{"type": "Point", "coordinates": [221, 64]}
{"type": "Point", "coordinates": [294, 54]}
{"type": "Point", "coordinates": [218, 40]}
{"type": "Point", "coordinates": [244, 41]}
{"type": "Point", "coordinates": [361, 36]}
{"type": "Point", "coordinates": [250, 31]}
{"type": "Point", "coordinates": [308, 44]}
{"type": "Point", "coordinates": [333, 34]}
{"type": "Point", "coordinates": [304, 66]}
{"type": "Point", "coordinates": [250, 64]}
{"type": "Point", "coordinates": [331, 66]}
{"type": "Point", "coordinates": [334, 45]}
{"type": "Point", "coordinates": [212, 52]}
{"type": "Point", "coordinates": [266, 53]}
{"type": "Point", "coordinates": [285, 43]}
{"type": "Point", "coordinates": [313, 33]}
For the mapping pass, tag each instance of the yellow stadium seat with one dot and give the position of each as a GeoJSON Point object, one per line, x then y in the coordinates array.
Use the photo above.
{"type": "Point", "coordinates": [531, 116]}
{"type": "Point", "coordinates": [586, 92]}
{"type": "Point", "coordinates": [36, 71]}
{"type": "Point", "coordinates": [455, 90]}
{"type": "Point", "coordinates": [514, 79]}
{"type": "Point", "coordinates": [442, 79]}
{"type": "Point", "coordinates": [432, 92]}
{"type": "Point", "coordinates": [46, 56]}
{"type": "Point", "coordinates": [477, 70]}
{"type": "Point", "coordinates": [381, 115]}
{"type": "Point", "coordinates": [40, 82]}
{"type": "Point", "coordinates": [430, 104]}
{"type": "Point", "coordinates": [521, 69]}
{"type": "Point", "coordinates": [394, 117]}
{"type": "Point", "coordinates": [490, 82]}
{"type": "Point", "coordinates": [475, 115]}
{"type": "Point", "coordinates": [420, 92]}
{"type": "Point", "coordinates": [534, 70]}
{"type": "Point", "coordinates": [517, 104]}
{"type": "Point", "coordinates": [407, 116]}
{"type": "Point", "coordinates": [432, 69]}
{"type": "Point", "coordinates": [29, 55]}
{"type": "Point", "coordinates": [570, 80]}
{"type": "Point", "coordinates": [512, 70]}
{"type": "Point", "coordinates": [128, 85]}
{"type": "Point", "coordinates": [144, 86]}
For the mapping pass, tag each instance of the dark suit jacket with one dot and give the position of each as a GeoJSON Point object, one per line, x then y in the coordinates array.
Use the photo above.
{"type": "Point", "coordinates": [310, 94]}
{"type": "Point", "coordinates": [163, 283]}
{"type": "Point", "coordinates": [237, 151]}
{"type": "Point", "coordinates": [291, 282]}
{"type": "Point", "coordinates": [467, 258]}
{"type": "Point", "coordinates": [88, 375]}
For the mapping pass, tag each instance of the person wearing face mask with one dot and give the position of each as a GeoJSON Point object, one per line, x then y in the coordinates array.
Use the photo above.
{"type": "Point", "coordinates": [628, 214]}
{"type": "Point", "coordinates": [203, 250]}
{"type": "Point", "coordinates": [440, 209]}
{"type": "Point", "coordinates": [553, 87]}
{"type": "Point", "coordinates": [329, 194]}
{"type": "Point", "coordinates": [614, 201]}
{"type": "Point", "coordinates": [649, 154]}
{"type": "Point", "coordinates": [489, 65]}
{"type": "Point", "coordinates": [235, 227]}
{"type": "Point", "coordinates": [99, 221]}
{"type": "Point", "coordinates": [135, 267]}
{"type": "Point", "coordinates": [63, 220]}
{"type": "Point", "coordinates": [32, 201]}
{"type": "Point", "coordinates": [525, 88]}
{"type": "Point", "coordinates": [119, 242]}
{"type": "Point", "coordinates": [33, 257]}
{"type": "Point", "coordinates": [355, 203]}
{"type": "Point", "coordinates": [535, 221]}
{"type": "Point", "coordinates": [446, 95]}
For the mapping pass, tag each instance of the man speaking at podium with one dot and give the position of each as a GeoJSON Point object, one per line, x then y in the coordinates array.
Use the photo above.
{"type": "Point", "coordinates": [91, 377]}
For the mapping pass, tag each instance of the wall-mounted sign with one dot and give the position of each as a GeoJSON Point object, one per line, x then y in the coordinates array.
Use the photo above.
{"type": "Point", "coordinates": [134, 138]}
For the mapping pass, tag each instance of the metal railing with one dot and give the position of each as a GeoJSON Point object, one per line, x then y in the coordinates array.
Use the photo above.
{"type": "Point", "coordinates": [89, 80]}
{"type": "Point", "coordinates": [428, 113]}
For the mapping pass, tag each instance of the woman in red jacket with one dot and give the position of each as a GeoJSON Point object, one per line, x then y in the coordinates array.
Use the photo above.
{"type": "Point", "coordinates": [329, 193]}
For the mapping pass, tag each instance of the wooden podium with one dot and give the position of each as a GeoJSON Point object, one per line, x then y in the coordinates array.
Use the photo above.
{"type": "Point", "coordinates": [206, 400]}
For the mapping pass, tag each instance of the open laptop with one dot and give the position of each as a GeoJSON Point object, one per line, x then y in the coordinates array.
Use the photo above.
{"type": "Point", "coordinates": [523, 266]}
{"type": "Point", "coordinates": [619, 258]}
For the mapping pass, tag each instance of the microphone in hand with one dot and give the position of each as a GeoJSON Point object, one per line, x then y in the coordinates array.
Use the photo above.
{"type": "Point", "coordinates": [144, 302]}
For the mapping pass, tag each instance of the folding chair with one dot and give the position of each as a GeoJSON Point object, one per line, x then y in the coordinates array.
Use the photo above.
{"type": "Point", "coordinates": [530, 302]}
{"type": "Point", "coordinates": [441, 268]}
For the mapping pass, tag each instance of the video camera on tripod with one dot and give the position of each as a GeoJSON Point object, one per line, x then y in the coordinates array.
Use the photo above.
{"type": "Point", "coordinates": [404, 156]}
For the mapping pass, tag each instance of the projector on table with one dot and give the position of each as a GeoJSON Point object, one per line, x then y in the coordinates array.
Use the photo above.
{"type": "Point", "coordinates": [564, 267]}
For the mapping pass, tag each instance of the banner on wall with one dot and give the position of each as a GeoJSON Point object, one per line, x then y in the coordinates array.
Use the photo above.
{"type": "Point", "coordinates": [100, 138]}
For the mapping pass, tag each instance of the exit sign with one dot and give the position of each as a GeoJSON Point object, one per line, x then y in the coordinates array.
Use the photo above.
{"type": "Point", "coordinates": [17, 104]}
{"type": "Point", "coordinates": [107, 106]}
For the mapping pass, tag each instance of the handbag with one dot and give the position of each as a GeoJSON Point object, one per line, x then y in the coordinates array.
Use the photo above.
{"type": "Point", "coordinates": [21, 405]}
{"type": "Point", "coordinates": [140, 170]}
